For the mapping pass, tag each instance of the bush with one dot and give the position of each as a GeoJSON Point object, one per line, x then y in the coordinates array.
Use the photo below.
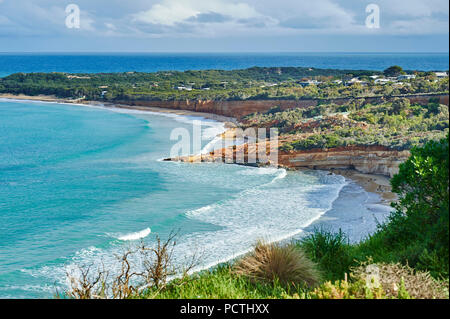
{"type": "Point", "coordinates": [343, 289]}
{"type": "Point", "coordinates": [331, 251]}
{"type": "Point", "coordinates": [422, 211]}
{"type": "Point", "coordinates": [399, 105]}
{"type": "Point", "coordinates": [271, 263]}
{"type": "Point", "coordinates": [393, 71]}
{"type": "Point", "coordinates": [396, 279]}
{"type": "Point", "coordinates": [383, 281]}
{"type": "Point", "coordinates": [286, 147]}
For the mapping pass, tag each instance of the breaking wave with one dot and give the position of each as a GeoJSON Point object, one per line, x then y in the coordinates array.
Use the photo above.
{"type": "Point", "coordinates": [135, 236]}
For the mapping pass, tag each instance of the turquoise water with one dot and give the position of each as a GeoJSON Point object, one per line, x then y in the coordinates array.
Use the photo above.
{"type": "Point", "coordinates": [80, 184]}
{"type": "Point", "coordinates": [151, 62]}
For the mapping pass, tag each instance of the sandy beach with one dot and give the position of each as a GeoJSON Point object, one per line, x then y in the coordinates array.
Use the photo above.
{"type": "Point", "coordinates": [230, 122]}
{"type": "Point", "coordinates": [377, 184]}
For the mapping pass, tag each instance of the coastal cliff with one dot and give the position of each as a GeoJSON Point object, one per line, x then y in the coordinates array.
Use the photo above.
{"type": "Point", "coordinates": [369, 159]}
{"type": "Point", "coordinates": [239, 109]}
{"type": "Point", "coordinates": [364, 159]}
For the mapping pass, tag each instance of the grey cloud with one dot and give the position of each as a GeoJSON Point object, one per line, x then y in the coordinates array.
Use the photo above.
{"type": "Point", "coordinates": [210, 17]}
{"type": "Point", "coordinates": [283, 17]}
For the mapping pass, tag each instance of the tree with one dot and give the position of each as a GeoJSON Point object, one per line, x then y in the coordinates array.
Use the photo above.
{"type": "Point", "coordinates": [400, 104]}
{"type": "Point", "coordinates": [421, 219]}
{"type": "Point", "coordinates": [393, 71]}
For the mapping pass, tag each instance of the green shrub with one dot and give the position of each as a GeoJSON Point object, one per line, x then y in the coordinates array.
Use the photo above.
{"type": "Point", "coordinates": [422, 211]}
{"type": "Point", "coordinates": [286, 147]}
{"type": "Point", "coordinates": [331, 251]}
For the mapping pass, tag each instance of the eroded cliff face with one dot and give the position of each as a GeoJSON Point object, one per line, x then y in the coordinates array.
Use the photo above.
{"type": "Point", "coordinates": [239, 109]}
{"type": "Point", "coordinates": [369, 160]}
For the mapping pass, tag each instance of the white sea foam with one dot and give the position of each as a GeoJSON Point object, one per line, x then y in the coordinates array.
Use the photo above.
{"type": "Point", "coordinates": [259, 213]}
{"type": "Point", "coordinates": [260, 171]}
{"type": "Point", "coordinates": [211, 129]}
{"type": "Point", "coordinates": [211, 145]}
{"type": "Point", "coordinates": [272, 212]}
{"type": "Point", "coordinates": [135, 236]}
{"type": "Point", "coordinates": [279, 173]}
{"type": "Point", "coordinates": [282, 173]}
{"type": "Point", "coordinates": [201, 210]}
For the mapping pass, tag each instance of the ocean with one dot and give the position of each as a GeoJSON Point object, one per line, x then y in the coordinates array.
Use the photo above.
{"type": "Point", "coordinates": [120, 62]}
{"type": "Point", "coordinates": [79, 185]}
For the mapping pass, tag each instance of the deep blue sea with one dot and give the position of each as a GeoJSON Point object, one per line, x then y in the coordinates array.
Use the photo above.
{"type": "Point", "coordinates": [79, 184]}
{"type": "Point", "coordinates": [94, 63]}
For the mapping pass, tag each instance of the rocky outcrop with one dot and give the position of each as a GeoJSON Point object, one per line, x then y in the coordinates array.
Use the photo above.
{"type": "Point", "coordinates": [239, 109]}
{"type": "Point", "coordinates": [369, 159]}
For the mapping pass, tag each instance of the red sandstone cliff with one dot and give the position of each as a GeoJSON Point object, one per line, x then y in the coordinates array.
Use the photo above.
{"type": "Point", "coordinates": [365, 159]}
{"type": "Point", "coordinates": [239, 109]}
{"type": "Point", "coordinates": [371, 159]}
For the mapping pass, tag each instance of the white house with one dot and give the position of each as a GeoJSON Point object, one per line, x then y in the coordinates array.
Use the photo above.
{"type": "Point", "coordinates": [406, 77]}
{"type": "Point", "coordinates": [382, 81]}
{"type": "Point", "coordinates": [184, 88]}
{"type": "Point", "coordinates": [355, 81]}
{"type": "Point", "coordinates": [441, 75]}
{"type": "Point", "coordinates": [309, 82]}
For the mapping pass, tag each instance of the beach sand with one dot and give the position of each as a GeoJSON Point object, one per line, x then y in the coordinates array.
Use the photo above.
{"type": "Point", "coordinates": [43, 98]}
{"type": "Point", "coordinates": [377, 184]}
{"type": "Point", "coordinates": [356, 212]}
{"type": "Point", "coordinates": [230, 122]}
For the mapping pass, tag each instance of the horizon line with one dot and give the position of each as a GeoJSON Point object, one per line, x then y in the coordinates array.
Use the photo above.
{"type": "Point", "coordinates": [225, 52]}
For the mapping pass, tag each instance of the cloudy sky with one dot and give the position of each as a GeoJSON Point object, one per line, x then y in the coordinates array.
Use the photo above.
{"type": "Point", "coordinates": [224, 26]}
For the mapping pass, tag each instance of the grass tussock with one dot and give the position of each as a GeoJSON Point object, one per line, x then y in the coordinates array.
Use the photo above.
{"type": "Point", "coordinates": [331, 251]}
{"type": "Point", "coordinates": [272, 262]}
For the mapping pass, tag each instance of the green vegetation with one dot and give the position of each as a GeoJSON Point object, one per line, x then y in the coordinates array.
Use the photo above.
{"type": "Point", "coordinates": [254, 83]}
{"type": "Point", "coordinates": [397, 124]}
{"type": "Point", "coordinates": [393, 71]}
{"type": "Point", "coordinates": [222, 283]}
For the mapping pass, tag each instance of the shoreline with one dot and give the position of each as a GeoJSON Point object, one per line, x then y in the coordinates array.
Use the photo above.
{"type": "Point", "coordinates": [371, 183]}
{"type": "Point", "coordinates": [230, 122]}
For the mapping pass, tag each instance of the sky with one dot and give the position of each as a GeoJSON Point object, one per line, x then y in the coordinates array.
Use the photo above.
{"type": "Point", "coordinates": [224, 26]}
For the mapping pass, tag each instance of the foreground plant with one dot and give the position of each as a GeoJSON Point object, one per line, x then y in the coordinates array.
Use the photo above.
{"type": "Point", "coordinates": [131, 281]}
{"type": "Point", "coordinates": [397, 278]}
{"type": "Point", "coordinates": [271, 263]}
{"type": "Point", "coordinates": [383, 281]}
